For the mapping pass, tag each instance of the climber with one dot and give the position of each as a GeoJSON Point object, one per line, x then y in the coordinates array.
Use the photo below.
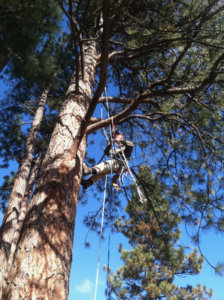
{"type": "Point", "coordinates": [118, 157]}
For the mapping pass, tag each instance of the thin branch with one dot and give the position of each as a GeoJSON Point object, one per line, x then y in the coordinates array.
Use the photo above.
{"type": "Point", "coordinates": [173, 67]}
{"type": "Point", "coordinates": [128, 100]}
{"type": "Point", "coordinates": [213, 45]}
{"type": "Point", "coordinates": [134, 19]}
{"type": "Point", "coordinates": [28, 108]}
{"type": "Point", "coordinates": [209, 79]}
{"type": "Point", "coordinates": [199, 103]}
{"type": "Point", "coordinates": [145, 117]}
{"type": "Point", "coordinates": [213, 73]}
{"type": "Point", "coordinates": [69, 15]}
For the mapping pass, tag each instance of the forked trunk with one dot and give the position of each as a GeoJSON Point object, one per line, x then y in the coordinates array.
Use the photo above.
{"type": "Point", "coordinates": [43, 257]}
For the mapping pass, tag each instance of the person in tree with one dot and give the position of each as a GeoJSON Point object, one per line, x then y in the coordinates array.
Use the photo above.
{"type": "Point", "coordinates": [119, 150]}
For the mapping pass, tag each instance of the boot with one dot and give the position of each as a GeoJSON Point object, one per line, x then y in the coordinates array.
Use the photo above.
{"type": "Point", "coordinates": [86, 183]}
{"type": "Point", "coordinates": [86, 169]}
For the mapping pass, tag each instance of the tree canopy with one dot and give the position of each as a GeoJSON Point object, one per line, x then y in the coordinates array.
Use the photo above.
{"type": "Point", "coordinates": [24, 29]}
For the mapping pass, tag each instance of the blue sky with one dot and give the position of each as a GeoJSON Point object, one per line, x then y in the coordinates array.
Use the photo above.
{"type": "Point", "coordinates": [84, 265]}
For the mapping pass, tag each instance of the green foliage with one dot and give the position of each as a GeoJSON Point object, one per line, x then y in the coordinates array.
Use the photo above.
{"type": "Point", "coordinates": [24, 29]}
{"type": "Point", "coordinates": [11, 137]}
{"type": "Point", "coordinates": [150, 267]}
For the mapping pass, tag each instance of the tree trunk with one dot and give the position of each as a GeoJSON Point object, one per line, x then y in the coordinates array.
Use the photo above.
{"type": "Point", "coordinates": [10, 225]}
{"type": "Point", "coordinates": [43, 257]}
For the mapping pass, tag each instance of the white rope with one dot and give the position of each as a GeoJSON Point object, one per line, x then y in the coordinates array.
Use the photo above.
{"type": "Point", "coordinates": [104, 131]}
{"type": "Point", "coordinates": [108, 112]}
{"type": "Point", "coordinates": [101, 236]}
{"type": "Point", "coordinates": [108, 115]}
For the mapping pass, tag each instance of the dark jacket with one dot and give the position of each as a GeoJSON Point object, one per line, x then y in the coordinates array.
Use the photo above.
{"type": "Point", "coordinates": [124, 147]}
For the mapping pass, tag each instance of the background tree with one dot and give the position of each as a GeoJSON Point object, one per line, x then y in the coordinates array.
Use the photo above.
{"type": "Point", "coordinates": [166, 62]}
{"type": "Point", "coordinates": [23, 29]}
{"type": "Point", "coordinates": [154, 261]}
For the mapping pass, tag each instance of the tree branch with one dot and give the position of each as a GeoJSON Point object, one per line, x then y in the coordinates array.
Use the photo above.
{"type": "Point", "coordinates": [145, 117]}
{"type": "Point", "coordinates": [144, 48]}
{"type": "Point", "coordinates": [213, 73]}
{"type": "Point", "coordinates": [70, 15]}
{"type": "Point", "coordinates": [128, 100]}
{"type": "Point", "coordinates": [151, 94]}
{"type": "Point", "coordinates": [213, 45]}
{"type": "Point", "coordinates": [134, 19]}
{"type": "Point", "coordinates": [173, 67]}
{"type": "Point", "coordinates": [120, 115]}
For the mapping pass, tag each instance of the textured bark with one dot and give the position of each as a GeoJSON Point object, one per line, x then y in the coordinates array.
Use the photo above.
{"type": "Point", "coordinates": [21, 218]}
{"type": "Point", "coordinates": [11, 225]}
{"type": "Point", "coordinates": [32, 179]}
{"type": "Point", "coordinates": [42, 261]}
{"type": "Point", "coordinates": [23, 210]}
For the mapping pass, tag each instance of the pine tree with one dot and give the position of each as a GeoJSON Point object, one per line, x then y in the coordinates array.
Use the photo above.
{"type": "Point", "coordinates": [154, 261]}
{"type": "Point", "coordinates": [166, 61]}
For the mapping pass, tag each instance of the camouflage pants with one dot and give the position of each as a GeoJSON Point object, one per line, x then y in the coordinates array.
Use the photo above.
{"type": "Point", "coordinates": [105, 168]}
